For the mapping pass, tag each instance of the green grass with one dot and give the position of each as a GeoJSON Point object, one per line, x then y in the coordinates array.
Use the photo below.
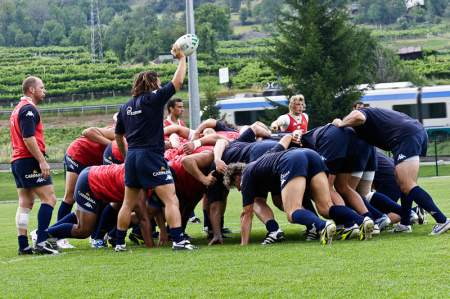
{"type": "Point", "coordinates": [392, 266]}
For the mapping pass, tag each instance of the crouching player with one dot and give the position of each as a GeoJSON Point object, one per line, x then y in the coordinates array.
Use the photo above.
{"type": "Point", "coordinates": [95, 186]}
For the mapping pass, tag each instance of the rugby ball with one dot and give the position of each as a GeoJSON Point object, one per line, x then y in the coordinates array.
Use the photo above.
{"type": "Point", "coordinates": [188, 43]}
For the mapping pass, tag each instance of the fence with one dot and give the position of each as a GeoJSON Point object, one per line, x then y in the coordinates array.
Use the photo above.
{"type": "Point", "coordinates": [75, 110]}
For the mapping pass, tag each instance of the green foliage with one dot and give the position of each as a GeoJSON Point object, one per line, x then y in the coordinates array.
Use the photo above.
{"type": "Point", "coordinates": [322, 55]}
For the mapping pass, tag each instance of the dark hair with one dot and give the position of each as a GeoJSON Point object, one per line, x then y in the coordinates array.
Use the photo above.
{"type": "Point", "coordinates": [171, 103]}
{"type": "Point", "coordinates": [145, 82]}
{"type": "Point", "coordinates": [30, 81]}
{"type": "Point", "coordinates": [356, 103]}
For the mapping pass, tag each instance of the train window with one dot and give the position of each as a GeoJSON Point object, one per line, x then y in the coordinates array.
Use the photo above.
{"type": "Point", "coordinates": [433, 110]}
{"type": "Point", "coordinates": [242, 118]}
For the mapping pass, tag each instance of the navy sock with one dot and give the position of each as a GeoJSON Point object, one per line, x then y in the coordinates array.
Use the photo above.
{"type": "Point", "coordinates": [375, 213]}
{"type": "Point", "coordinates": [153, 223]}
{"type": "Point", "coordinates": [307, 218]}
{"type": "Point", "coordinates": [344, 215]}
{"type": "Point", "coordinates": [61, 231]}
{"type": "Point", "coordinates": [107, 222]}
{"type": "Point", "coordinates": [23, 242]}
{"type": "Point", "coordinates": [136, 229]}
{"type": "Point", "coordinates": [272, 225]}
{"type": "Point", "coordinates": [69, 218]}
{"type": "Point", "coordinates": [206, 222]}
{"type": "Point", "coordinates": [368, 214]}
{"type": "Point", "coordinates": [64, 209]}
{"type": "Point", "coordinates": [385, 204]}
{"type": "Point", "coordinates": [423, 199]}
{"type": "Point", "coordinates": [177, 234]}
{"type": "Point", "coordinates": [222, 221]}
{"type": "Point", "coordinates": [406, 202]}
{"type": "Point", "coordinates": [120, 234]}
{"type": "Point", "coordinates": [44, 217]}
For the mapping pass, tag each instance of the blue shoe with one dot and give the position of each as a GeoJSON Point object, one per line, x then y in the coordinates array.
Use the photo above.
{"type": "Point", "coordinates": [100, 243]}
{"type": "Point", "coordinates": [383, 222]}
{"type": "Point", "coordinates": [440, 228]}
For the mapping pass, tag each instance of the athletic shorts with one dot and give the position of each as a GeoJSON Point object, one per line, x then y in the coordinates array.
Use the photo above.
{"type": "Point", "coordinates": [361, 156]}
{"type": "Point", "coordinates": [294, 163]}
{"type": "Point", "coordinates": [73, 165]}
{"type": "Point", "coordinates": [108, 157]}
{"type": "Point", "coordinates": [83, 195]}
{"type": "Point", "coordinates": [146, 169]}
{"type": "Point", "coordinates": [410, 146]}
{"type": "Point", "coordinates": [27, 173]}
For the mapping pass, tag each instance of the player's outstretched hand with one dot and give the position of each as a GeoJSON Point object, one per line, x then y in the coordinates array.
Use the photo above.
{"type": "Point", "coordinates": [177, 52]}
{"type": "Point", "coordinates": [188, 148]}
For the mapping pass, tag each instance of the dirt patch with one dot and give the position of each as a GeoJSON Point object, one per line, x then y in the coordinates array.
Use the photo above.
{"type": "Point", "coordinates": [99, 120]}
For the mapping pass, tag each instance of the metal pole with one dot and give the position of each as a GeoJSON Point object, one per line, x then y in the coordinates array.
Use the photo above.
{"type": "Point", "coordinates": [194, 98]}
{"type": "Point", "coordinates": [436, 156]}
{"type": "Point", "coordinates": [419, 105]}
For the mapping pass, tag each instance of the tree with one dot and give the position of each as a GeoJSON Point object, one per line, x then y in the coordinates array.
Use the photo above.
{"type": "Point", "coordinates": [235, 5]}
{"type": "Point", "coordinates": [216, 16]}
{"type": "Point", "coordinates": [322, 55]}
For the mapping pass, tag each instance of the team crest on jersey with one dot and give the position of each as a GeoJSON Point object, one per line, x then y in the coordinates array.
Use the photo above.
{"type": "Point", "coordinates": [131, 112]}
{"type": "Point", "coordinates": [30, 113]}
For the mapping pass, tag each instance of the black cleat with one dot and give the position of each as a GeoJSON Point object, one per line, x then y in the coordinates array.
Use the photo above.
{"type": "Point", "coordinates": [136, 239]}
{"type": "Point", "coordinates": [26, 251]}
{"type": "Point", "coordinates": [45, 248]}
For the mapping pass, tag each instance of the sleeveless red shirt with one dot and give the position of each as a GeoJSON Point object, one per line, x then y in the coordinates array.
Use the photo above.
{"type": "Point", "coordinates": [19, 150]}
{"type": "Point", "coordinates": [86, 152]}
{"type": "Point", "coordinates": [295, 125]}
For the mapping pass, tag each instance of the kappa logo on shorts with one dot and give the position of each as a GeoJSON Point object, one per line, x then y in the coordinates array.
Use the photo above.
{"type": "Point", "coordinates": [169, 177]}
{"type": "Point", "coordinates": [88, 204]}
{"type": "Point", "coordinates": [323, 158]}
{"type": "Point", "coordinates": [73, 162]}
{"type": "Point", "coordinates": [401, 157]}
{"type": "Point", "coordinates": [283, 177]}
{"type": "Point", "coordinates": [30, 113]}
{"type": "Point", "coordinates": [40, 180]}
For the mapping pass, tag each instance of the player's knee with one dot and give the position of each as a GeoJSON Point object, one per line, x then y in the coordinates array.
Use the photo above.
{"type": "Point", "coordinates": [22, 218]}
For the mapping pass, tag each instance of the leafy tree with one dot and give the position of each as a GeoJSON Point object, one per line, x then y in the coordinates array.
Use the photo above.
{"type": "Point", "coordinates": [209, 109]}
{"type": "Point", "coordinates": [267, 10]}
{"type": "Point", "coordinates": [235, 5]}
{"type": "Point", "coordinates": [216, 16]}
{"type": "Point", "coordinates": [323, 56]}
{"type": "Point", "coordinates": [243, 15]}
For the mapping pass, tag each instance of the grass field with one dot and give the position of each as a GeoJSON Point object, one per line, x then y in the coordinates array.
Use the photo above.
{"type": "Point", "coordinates": [392, 266]}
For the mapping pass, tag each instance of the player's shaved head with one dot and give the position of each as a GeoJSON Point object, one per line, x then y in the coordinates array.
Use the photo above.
{"type": "Point", "coordinates": [29, 82]}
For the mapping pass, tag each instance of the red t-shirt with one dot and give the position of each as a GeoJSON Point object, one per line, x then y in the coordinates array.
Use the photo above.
{"type": "Point", "coordinates": [188, 188]}
{"type": "Point", "coordinates": [86, 152]}
{"type": "Point", "coordinates": [107, 182]}
{"type": "Point", "coordinates": [25, 121]}
{"type": "Point", "coordinates": [231, 135]}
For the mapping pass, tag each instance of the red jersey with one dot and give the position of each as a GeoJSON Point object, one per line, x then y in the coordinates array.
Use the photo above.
{"type": "Point", "coordinates": [169, 122]}
{"type": "Point", "coordinates": [19, 150]}
{"type": "Point", "coordinates": [86, 152]}
{"type": "Point", "coordinates": [188, 188]}
{"type": "Point", "coordinates": [231, 135]}
{"type": "Point", "coordinates": [295, 125]}
{"type": "Point", "coordinates": [107, 182]}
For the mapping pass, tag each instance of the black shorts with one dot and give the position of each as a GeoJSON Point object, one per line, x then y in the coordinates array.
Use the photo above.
{"type": "Point", "coordinates": [27, 174]}
{"type": "Point", "coordinates": [410, 146]}
{"type": "Point", "coordinates": [146, 169]}
{"type": "Point", "coordinates": [83, 195]}
{"type": "Point", "coordinates": [73, 165]}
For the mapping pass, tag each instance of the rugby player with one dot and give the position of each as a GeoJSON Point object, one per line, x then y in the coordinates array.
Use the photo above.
{"type": "Point", "coordinates": [140, 120]}
{"type": "Point", "coordinates": [296, 119]}
{"type": "Point", "coordinates": [30, 169]}
{"type": "Point", "coordinates": [407, 139]}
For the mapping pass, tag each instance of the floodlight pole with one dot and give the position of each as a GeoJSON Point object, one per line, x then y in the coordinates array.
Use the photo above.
{"type": "Point", "coordinates": [194, 98]}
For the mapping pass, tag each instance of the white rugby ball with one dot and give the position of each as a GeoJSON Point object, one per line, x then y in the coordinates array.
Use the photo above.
{"type": "Point", "coordinates": [188, 43]}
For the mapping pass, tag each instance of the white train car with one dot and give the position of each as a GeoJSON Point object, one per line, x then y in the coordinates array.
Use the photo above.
{"type": "Point", "coordinates": [243, 110]}
{"type": "Point", "coordinates": [435, 103]}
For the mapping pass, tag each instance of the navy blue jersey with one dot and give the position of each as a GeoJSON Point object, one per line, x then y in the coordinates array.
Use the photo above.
{"type": "Point", "coordinates": [386, 128]}
{"type": "Point", "coordinates": [222, 126]}
{"type": "Point", "coordinates": [141, 119]}
{"type": "Point", "coordinates": [245, 149]}
{"type": "Point", "coordinates": [29, 118]}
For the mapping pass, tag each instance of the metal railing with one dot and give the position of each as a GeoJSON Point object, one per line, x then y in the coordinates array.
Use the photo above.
{"type": "Point", "coordinates": [72, 110]}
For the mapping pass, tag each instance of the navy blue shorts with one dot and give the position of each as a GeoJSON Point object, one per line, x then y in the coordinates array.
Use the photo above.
{"type": "Point", "coordinates": [410, 146]}
{"type": "Point", "coordinates": [146, 169]}
{"type": "Point", "coordinates": [361, 156]}
{"type": "Point", "coordinates": [27, 173]}
{"type": "Point", "coordinates": [83, 195]}
{"type": "Point", "coordinates": [299, 162]}
{"type": "Point", "coordinates": [73, 165]}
